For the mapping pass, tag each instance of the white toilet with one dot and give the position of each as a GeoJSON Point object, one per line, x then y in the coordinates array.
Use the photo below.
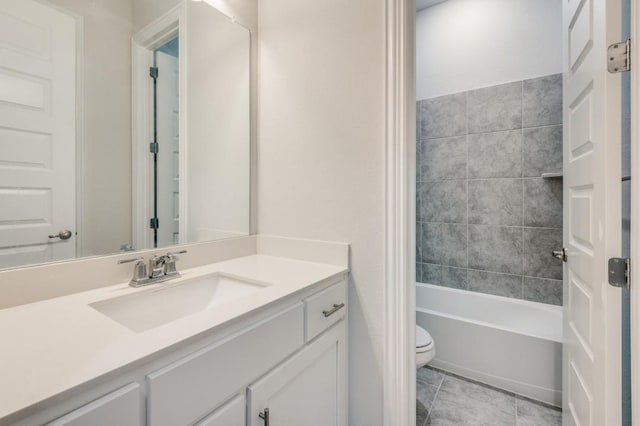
{"type": "Point", "coordinates": [425, 347]}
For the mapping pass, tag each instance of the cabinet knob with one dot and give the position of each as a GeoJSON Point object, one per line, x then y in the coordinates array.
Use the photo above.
{"type": "Point", "coordinates": [264, 415]}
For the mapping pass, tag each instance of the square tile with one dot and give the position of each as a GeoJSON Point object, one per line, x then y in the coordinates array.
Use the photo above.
{"type": "Point", "coordinates": [531, 414]}
{"type": "Point", "coordinates": [445, 276]}
{"type": "Point", "coordinates": [429, 376]}
{"type": "Point", "coordinates": [495, 108]}
{"type": "Point", "coordinates": [495, 202]}
{"type": "Point", "coordinates": [444, 201]}
{"type": "Point", "coordinates": [444, 116]}
{"type": "Point", "coordinates": [542, 101]}
{"type": "Point", "coordinates": [538, 245]}
{"type": "Point", "coordinates": [497, 284]}
{"type": "Point", "coordinates": [543, 290]}
{"type": "Point", "coordinates": [443, 158]}
{"type": "Point", "coordinates": [543, 202]}
{"type": "Point", "coordinates": [418, 120]}
{"type": "Point", "coordinates": [495, 249]}
{"type": "Point", "coordinates": [444, 244]}
{"type": "Point", "coordinates": [495, 155]}
{"type": "Point", "coordinates": [464, 403]}
{"type": "Point", "coordinates": [542, 151]}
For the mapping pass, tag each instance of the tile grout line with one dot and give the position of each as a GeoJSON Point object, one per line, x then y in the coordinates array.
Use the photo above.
{"type": "Point", "coordinates": [522, 175]}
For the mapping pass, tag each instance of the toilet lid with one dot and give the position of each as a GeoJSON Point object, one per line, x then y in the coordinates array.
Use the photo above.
{"type": "Point", "coordinates": [423, 338]}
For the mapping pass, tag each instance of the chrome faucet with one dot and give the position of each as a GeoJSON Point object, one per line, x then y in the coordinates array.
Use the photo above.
{"type": "Point", "coordinates": [162, 268]}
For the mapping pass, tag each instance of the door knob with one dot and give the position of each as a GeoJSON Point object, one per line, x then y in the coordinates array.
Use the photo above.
{"type": "Point", "coordinates": [560, 254]}
{"type": "Point", "coordinates": [265, 416]}
{"type": "Point", "coordinates": [63, 235]}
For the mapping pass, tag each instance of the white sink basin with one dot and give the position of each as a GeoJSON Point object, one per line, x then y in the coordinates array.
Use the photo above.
{"type": "Point", "coordinates": [166, 302]}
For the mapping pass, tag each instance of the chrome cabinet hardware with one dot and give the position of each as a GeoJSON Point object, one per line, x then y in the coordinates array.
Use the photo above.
{"type": "Point", "coordinates": [336, 308]}
{"type": "Point", "coordinates": [264, 415]}
{"type": "Point", "coordinates": [63, 235]}
{"type": "Point", "coordinates": [560, 254]}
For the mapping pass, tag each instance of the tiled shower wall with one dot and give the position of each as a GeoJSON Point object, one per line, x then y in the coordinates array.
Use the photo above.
{"type": "Point", "coordinates": [487, 220]}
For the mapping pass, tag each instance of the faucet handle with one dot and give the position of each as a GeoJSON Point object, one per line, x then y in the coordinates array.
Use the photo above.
{"type": "Point", "coordinates": [170, 262]}
{"type": "Point", "coordinates": [139, 270]}
{"type": "Point", "coordinates": [133, 259]}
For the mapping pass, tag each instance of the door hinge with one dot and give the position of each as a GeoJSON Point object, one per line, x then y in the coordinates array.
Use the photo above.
{"type": "Point", "coordinates": [619, 57]}
{"type": "Point", "coordinates": [153, 72]}
{"type": "Point", "coordinates": [154, 148]}
{"type": "Point", "coordinates": [619, 272]}
{"type": "Point", "coordinates": [154, 223]}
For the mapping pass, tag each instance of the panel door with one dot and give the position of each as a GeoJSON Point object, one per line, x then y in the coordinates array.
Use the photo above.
{"type": "Point", "coordinates": [168, 149]}
{"type": "Point", "coordinates": [591, 367]}
{"type": "Point", "coordinates": [37, 132]}
{"type": "Point", "coordinates": [308, 389]}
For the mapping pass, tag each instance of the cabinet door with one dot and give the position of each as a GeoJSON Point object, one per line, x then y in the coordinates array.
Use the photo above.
{"type": "Point", "coordinates": [308, 389]}
{"type": "Point", "coordinates": [230, 414]}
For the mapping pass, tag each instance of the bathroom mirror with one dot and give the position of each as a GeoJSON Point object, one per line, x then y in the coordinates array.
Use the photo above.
{"type": "Point", "coordinates": [124, 125]}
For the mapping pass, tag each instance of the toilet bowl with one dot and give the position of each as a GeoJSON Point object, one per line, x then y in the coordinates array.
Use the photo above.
{"type": "Point", "coordinates": [425, 347]}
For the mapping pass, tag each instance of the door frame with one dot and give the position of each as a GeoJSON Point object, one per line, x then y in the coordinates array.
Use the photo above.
{"type": "Point", "coordinates": [399, 370]}
{"type": "Point", "coordinates": [143, 44]}
{"type": "Point", "coordinates": [635, 213]}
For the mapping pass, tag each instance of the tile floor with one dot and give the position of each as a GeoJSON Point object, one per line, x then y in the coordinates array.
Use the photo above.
{"type": "Point", "coordinates": [447, 400]}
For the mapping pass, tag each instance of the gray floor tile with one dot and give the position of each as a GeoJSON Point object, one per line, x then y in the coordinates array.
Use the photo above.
{"type": "Point", "coordinates": [464, 403]}
{"type": "Point", "coordinates": [531, 414]}
{"type": "Point", "coordinates": [421, 413]}
{"type": "Point", "coordinates": [429, 376]}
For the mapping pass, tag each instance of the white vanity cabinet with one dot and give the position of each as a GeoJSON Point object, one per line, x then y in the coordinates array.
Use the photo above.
{"type": "Point", "coordinates": [121, 407]}
{"type": "Point", "coordinates": [291, 358]}
{"type": "Point", "coordinates": [308, 389]}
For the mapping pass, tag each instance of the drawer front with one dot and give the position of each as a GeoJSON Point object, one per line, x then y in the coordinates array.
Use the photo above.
{"type": "Point", "coordinates": [187, 390]}
{"type": "Point", "coordinates": [324, 309]}
{"type": "Point", "coordinates": [122, 407]}
{"type": "Point", "coordinates": [233, 413]}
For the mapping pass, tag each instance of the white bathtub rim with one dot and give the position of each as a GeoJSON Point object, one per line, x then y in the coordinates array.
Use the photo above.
{"type": "Point", "coordinates": [490, 325]}
{"type": "Point", "coordinates": [556, 336]}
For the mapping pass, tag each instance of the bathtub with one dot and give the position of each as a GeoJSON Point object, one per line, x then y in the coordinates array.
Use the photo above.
{"type": "Point", "coordinates": [508, 343]}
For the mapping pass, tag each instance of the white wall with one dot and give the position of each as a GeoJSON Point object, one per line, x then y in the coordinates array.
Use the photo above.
{"type": "Point", "coordinates": [321, 155]}
{"type": "Point", "coordinates": [218, 145]}
{"type": "Point", "coordinates": [468, 44]}
{"type": "Point", "coordinates": [106, 145]}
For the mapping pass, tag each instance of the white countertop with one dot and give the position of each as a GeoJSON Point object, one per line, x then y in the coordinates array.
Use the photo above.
{"type": "Point", "coordinates": [52, 346]}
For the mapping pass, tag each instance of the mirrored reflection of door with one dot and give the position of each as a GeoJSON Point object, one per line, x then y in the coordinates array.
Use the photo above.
{"type": "Point", "coordinates": [37, 133]}
{"type": "Point", "coordinates": [167, 202]}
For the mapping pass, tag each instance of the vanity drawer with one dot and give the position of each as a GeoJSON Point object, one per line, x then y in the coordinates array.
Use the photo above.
{"type": "Point", "coordinates": [324, 309]}
{"type": "Point", "coordinates": [188, 389]}
{"type": "Point", "coordinates": [122, 407]}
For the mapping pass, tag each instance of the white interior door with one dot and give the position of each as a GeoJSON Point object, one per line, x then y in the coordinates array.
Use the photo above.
{"type": "Point", "coordinates": [37, 132]}
{"type": "Point", "coordinates": [168, 149]}
{"type": "Point", "coordinates": [592, 214]}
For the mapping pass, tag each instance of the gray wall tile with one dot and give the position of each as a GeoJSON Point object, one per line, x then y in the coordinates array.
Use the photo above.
{"type": "Point", "coordinates": [543, 290]}
{"type": "Point", "coordinates": [444, 244]}
{"type": "Point", "coordinates": [495, 155]}
{"type": "Point", "coordinates": [543, 202]}
{"type": "Point", "coordinates": [444, 201]}
{"type": "Point", "coordinates": [480, 155]}
{"type": "Point", "coordinates": [441, 275]}
{"type": "Point", "coordinates": [542, 101]}
{"type": "Point", "coordinates": [495, 202]}
{"type": "Point", "coordinates": [495, 108]}
{"type": "Point", "coordinates": [495, 248]}
{"type": "Point", "coordinates": [542, 150]}
{"type": "Point", "coordinates": [444, 158]}
{"type": "Point", "coordinates": [444, 116]}
{"type": "Point", "coordinates": [493, 283]}
{"type": "Point", "coordinates": [538, 245]}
